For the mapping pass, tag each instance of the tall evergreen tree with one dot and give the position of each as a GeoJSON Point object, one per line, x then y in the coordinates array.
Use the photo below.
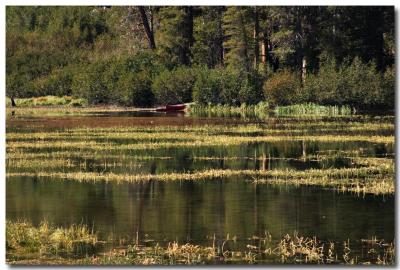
{"type": "Point", "coordinates": [208, 35]}
{"type": "Point", "coordinates": [176, 34]}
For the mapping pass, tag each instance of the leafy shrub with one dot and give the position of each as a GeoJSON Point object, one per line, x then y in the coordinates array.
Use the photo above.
{"type": "Point", "coordinates": [208, 86]}
{"type": "Point", "coordinates": [17, 86]}
{"type": "Point", "coordinates": [231, 84]}
{"type": "Point", "coordinates": [251, 91]}
{"type": "Point", "coordinates": [362, 83]}
{"type": "Point", "coordinates": [356, 84]}
{"type": "Point", "coordinates": [143, 62]}
{"type": "Point", "coordinates": [176, 86]}
{"type": "Point", "coordinates": [98, 85]}
{"type": "Point", "coordinates": [282, 88]}
{"type": "Point", "coordinates": [325, 87]}
{"type": "Point", "coordinates": [136, 89]}
{"type": "Point", "coordinates": [227, 86]}
{"type": "Point", "coordinates": [58, 83]}
{"type": "Point", "coordinates": [388, 86]}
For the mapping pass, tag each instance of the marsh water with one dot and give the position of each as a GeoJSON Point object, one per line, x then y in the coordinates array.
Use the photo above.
{"type": "Point", "coordinates": [195, 211]}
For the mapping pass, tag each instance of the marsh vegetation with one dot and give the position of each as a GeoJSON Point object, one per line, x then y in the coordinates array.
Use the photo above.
{"type": "Point", "coordinates": [53, 245]}
{"type": "Point", "coordinates": [141, 168]}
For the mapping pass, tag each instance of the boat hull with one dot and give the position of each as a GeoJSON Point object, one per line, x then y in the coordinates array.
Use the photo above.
{"type": "Point", "coordinates": [171, 108]}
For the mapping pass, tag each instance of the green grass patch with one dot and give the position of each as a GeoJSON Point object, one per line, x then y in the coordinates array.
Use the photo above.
{"type": "Point", "coordinates": [260, 110]}
{"type": "Point", "coordinates": [24, 238]}
{"type": "Point", "coordinates": [311, 109]}
{"type": "Point", "coordinates": [48, 101]}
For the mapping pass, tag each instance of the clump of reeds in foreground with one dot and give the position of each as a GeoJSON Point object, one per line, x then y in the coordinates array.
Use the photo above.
{"type": "Point", "coordinates": [46, 239]}
{"type": "Point", "coordinates": [23, 238]}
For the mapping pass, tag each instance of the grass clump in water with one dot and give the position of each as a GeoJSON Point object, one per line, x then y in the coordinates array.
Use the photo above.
{"type": "Point", "coordinates": [22, 238]}
{"type": "Point", "coordinates": [311, 109]}
{"type": "Point", "coordinates": [290, 249]}
{"type": "Point", "coordinates": [373, 175]}
{"type": "Point", "coordinates": [259, 110]}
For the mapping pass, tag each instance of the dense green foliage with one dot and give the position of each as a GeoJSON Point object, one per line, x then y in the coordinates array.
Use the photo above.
{"type": "Point", "coordinates": [174, 86]}
{"type": "Point", "coordinates": [356, 84]}
{"type": "Point", "coordinates": [142, 56]}
{"type": "Point", "coordinates": [282, 87]}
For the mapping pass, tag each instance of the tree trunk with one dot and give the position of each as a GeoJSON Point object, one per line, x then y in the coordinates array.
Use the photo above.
{"type": "Point", "coordinates": [187, 34]}
{"type": "Point", "coordinates": [304, 69]}
{"type": "Point", "coordinates": [256, 39]}
{"type": "Point", "coordinates": [264, 52]}
{"type": "Point", "coordinates": [147, 29]}
{"type": "Point", "coordinates": [13, 104]}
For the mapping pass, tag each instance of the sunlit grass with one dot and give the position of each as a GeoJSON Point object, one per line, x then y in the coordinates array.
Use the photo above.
{"type": "Point", "coordinates": [47, 101]}
{"type": "Point", "coordinates": [375, 176]}
{"type": "Point", "coordinates": [24, 238]}
{"type": "Point", "coordinates": [311, 109]}
{"type": "Point", "coordinates": [48, 241]}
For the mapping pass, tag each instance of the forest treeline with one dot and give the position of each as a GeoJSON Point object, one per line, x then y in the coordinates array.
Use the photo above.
{"type": "Point", "coordinates": [142, 56]}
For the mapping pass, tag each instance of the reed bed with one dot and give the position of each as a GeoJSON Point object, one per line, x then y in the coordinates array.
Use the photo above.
{"type": "Point", "coordinates": [311, 109]}
{"type": "Point", "coordinates": [375, 177]}
{"type": "Point", "coordinates": [260, 110]}
{"type": "Point", "coordinates": [278, 125]}
{"type": "Point", "coordinates": [47, 240]}
{"type": "Point", "coordinates": [149, 134]}
{"type": "Point", "coordinates": [27, 151]}
{"type": "Point", "coordinates": [184, 140]}
{"type": "Point", "coordinates": [24, 238]}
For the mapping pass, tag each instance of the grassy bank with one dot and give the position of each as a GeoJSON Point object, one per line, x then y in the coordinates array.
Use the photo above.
{"type": "Point", "coordinates": [261, 110]}
{"type": "Point", "coordinates": [65, 101]}
{"type": "Point", "coordinates": [42, 245]}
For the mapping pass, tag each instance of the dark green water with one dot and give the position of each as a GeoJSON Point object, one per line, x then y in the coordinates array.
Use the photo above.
{"type": "Point", "coordinates": [191, 211]}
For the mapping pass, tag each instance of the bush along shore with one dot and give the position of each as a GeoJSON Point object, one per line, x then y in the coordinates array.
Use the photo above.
{"type": "Point", "coordinates": [79, 245]}
{"type": "Point", "coordinates": [71, 105]}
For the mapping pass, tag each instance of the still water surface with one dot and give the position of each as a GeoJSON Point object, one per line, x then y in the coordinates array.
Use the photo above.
{"type": "Point", "coordinates": [195, 211]}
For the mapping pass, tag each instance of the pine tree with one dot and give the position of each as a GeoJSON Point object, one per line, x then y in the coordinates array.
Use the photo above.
{"type": "Point", "coordinates": [238, 43]}
{"type": "Point", "coordinates": [176, 34]}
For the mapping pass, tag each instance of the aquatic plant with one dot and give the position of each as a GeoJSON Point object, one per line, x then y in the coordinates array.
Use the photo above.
{"type": "Point", "coordinates": [376, 176]}
{"type": "Point", "coordinates": [290, 249]}
{"type": "Point", "coordinates": [22, 237]}
{"type": "Point", "coordinates": [313, 109]}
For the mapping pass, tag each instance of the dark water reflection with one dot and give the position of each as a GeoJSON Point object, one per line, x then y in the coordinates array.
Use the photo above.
{"type": "Point", "coordinates": [191, 211]}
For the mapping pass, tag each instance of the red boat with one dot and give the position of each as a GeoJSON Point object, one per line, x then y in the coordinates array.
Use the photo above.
{"type": "Point", "coordinates": [171, 108]}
